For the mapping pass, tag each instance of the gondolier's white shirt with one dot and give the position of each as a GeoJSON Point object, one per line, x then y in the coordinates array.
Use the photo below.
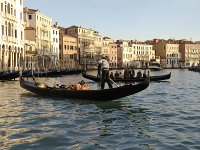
{"type": "Point", "coordinates": [104, 64]}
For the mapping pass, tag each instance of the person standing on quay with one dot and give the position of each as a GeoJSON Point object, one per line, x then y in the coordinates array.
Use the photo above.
{"type": "Point", "coordinates": [105, 73]}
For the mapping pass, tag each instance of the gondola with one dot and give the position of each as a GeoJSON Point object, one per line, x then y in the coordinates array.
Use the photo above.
{"type": "Point", "coordinates": [152, 78]}
{"type": "Point", "coordinates": [8, 75]}
{"type": "Point", "coordinates": [43, 73]}
{"type": "Point", "coordinates": [51, 73]}
{"type": "Point", "coordinates": [101, 95]}
{"type": "Point", "coordinates": [194, 69]}
{"type": "Point", "coordinates": [71, 72]}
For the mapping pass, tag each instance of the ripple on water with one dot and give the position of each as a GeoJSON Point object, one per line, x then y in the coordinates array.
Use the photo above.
{"type": "Point", "coordinates": [164, 116]}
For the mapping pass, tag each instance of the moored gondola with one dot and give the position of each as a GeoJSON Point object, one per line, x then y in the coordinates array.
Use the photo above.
{"type": "Point", "coordinates": [152, 78]}
{"type": "Point", "coordinates": [101, 95]}
{"type": "Point", "coordinates": [9, 75]}
{"type": "Point", "coordinates": [194, 69]}
{"type": "Point", "coordinates": [51, 73]}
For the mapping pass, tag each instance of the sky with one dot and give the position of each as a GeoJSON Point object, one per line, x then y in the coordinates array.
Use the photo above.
{"type": "Point", "coordinates": [127, 19]}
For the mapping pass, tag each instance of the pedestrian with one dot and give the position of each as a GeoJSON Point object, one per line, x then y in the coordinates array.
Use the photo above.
{"type": "Point", "coordinates": [139, 74]}
{"type": "Point", "coordinates": [144, 74]}
{"type": "Point", "coordinates": [105, 73]}
{"type": "Point", "coordinates": [116, 75]}
{"type": "Point", "coordinates": [111, 75]}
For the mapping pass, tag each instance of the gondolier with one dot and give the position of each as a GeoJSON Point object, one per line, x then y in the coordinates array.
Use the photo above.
{"type": "Point", "coordinates": [105, 72]}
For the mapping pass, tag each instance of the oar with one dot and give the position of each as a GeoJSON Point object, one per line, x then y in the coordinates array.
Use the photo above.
{"type": "Point", "coordinates": [118, 86]}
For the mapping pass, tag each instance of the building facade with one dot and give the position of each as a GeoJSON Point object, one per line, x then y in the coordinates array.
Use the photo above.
{"type": "Point", "coordinates": [169, 53]}
{"type": "Point", "coordinates": [31, 59]}
{"type": "Point", "coordinates": [190, 54]}
{"type": "Point", "coordinates": [11, 35]}
{"type": "Point", "coordinates": [42, 26]}
{"type": "Point", "coordinates": [113, 54]}
{"type": "Point", "coordinates": [68, 52]}
{"type": "Point", "coordinates": [86, 47]}
{"type": "Point", "coordinates": [142, 54]}
{"type": "Point", "coordinates": [98, 45]}
{"type": "Point", "coordinates": [124, 54]}
{"type": "Point", "coordinates": [54, 51]}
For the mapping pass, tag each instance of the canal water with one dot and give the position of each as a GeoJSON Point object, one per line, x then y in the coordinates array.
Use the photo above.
{"type": "Point", "coordinates": [164, 116]}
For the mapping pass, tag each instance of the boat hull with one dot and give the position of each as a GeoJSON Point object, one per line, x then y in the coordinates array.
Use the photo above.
{"type": "Point", "coordinates": [8, 75]}
{"type": "Point", "coordinates": [101, 95]}
{"type": "Point", "coordinates": [152, 78]}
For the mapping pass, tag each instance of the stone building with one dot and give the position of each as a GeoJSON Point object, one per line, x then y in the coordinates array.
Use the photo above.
{"type": "Point", "coordinates": [86, 44]}
{"type": "Point", "coordinates": [169, 53]}
{"type": "Point", "coordinates": [124, 54]}
{"type": "Point", "coordinates": [54, 51]}
{"type": "Point", "coordinates": [42, 28]}
{"type": "Point", "coordinates": [68, 52]}
{"type": "Point", "coordinates": [142, 54]}
{"type": "Point", "coordinates": [11, 35]}
{"type": "Point", "coordinates": [190, 54]}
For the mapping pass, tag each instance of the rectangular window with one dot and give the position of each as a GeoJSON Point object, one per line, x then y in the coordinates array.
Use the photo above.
{"type": "Point", "coordinates": [6, 31]}
{"type": "Point", "coordinates": [15, 33]}
{"type": "Point", "coordinates": [29, 17]}
{"type": "Point", "coordinates": [20, 16]}
{"type": "Point", "coordinates": [1, 6]}
{"type": "Point", "coordinates": [21, 35]}
{"type": "Point", "coordinates": [2, 28]}
{"type": "Point", "coordinates": [5, 8]}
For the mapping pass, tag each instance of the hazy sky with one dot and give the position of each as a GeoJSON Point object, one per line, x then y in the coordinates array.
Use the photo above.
{"type": "Point", "coordinates": [127, 19]}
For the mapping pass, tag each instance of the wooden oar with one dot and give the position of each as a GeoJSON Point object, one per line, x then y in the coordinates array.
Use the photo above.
{"type": "Point", "coordinates": [118, 86]}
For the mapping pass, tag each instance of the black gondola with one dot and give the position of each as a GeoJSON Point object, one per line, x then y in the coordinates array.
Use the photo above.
{"type": "Point", "coordinates": [194, 69]}
{"type": "Point", "coordinates": [102, 95]}
{"type": "Point", "coordinates": [51, 73]}
{"type": "Point", "coordinates": [152, 78]}
{"type": "Point", "coordinates": [8, 75]}
{"type": "Point", "coordinates": [43, 73]}
{"type": "Point", "coordinates": [71, 72]}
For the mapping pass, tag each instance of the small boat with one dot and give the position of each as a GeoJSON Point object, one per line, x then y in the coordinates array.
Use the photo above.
{"type": "Point", "coordinates": [154, 66]}
{"type": "Point", "coordinates": [37, 73]}
{"type": "Point", "coordinates": [152, 78]}
{"type": "Point", "coordinates": [9, 75]}
{"type": "Point", "coordinates": [194, 69]}
{"type": "Point", "coordinates": [101, 95]}
{"type": "Point", "coordinates": [71, 72]}
{"type": "Point", "coordinates": [51, 73]}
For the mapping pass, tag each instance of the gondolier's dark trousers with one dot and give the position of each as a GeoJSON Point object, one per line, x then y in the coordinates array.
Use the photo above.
{"type": "Point", "coordinates": [105, 78]}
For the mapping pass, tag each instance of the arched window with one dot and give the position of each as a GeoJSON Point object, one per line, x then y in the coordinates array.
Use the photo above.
{"type": "Point", "coordinates": [6, 28]}
{"type": "Point", "coordinates": [5, 7]}
{"type": "Point", "coordinates": [9, 29]}
{"type": "Point", "coordinates": [11, 9]}
{"type": "Point", "coordinates": [2, 7]}
{"type": "Point", "coordinates": [12, 33]}
{"type": "Point", "coordinates": [8, 8]}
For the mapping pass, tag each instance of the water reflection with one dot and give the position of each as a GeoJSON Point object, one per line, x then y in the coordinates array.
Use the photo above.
{"type": "Point", "coordinates": [164, 116]}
